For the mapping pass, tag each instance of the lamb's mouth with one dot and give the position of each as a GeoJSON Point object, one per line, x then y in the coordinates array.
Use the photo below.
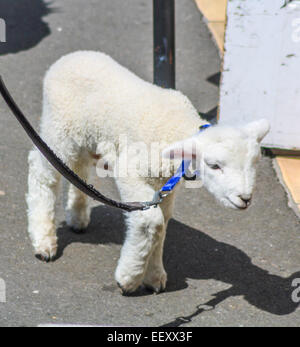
{"type": "Point", "coordinates": [238, 206]}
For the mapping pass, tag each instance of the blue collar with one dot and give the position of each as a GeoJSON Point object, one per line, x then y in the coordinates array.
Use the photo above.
{"type": "Point", "coordinates": [181, 171]}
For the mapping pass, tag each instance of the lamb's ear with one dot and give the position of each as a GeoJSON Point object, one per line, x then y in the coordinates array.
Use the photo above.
{"type": "Point", "coordinates": [182, 150]}
{"type": "Point", "coordinates": [258, 129]}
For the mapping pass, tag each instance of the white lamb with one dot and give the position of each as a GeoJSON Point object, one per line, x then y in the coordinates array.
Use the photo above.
{"type": "Point", "coordinates": [89, 99]}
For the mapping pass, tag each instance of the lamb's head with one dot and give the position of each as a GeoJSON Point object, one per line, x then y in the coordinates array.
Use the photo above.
{"type": "Point", "coordinates": [225, 157]}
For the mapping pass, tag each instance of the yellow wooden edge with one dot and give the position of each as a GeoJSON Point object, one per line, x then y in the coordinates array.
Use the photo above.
{"type": "Point", "coordinates": [218, 31]}
{"type": "Point", "coordinates": [290, 171]}
{"type": "Point", "coordinates": [215, 13]}
{"type": "Point", "coordinates": [213, 10]}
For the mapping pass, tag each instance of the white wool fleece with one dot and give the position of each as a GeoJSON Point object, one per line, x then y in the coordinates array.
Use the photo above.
{"type": "Point", "coordinates": [89, 102]}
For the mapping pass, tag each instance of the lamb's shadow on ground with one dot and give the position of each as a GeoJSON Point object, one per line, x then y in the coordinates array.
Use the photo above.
{"type": "Point", "coordinates": [25, 27]}
{"type": "Point", "coordinates": [190, 253]}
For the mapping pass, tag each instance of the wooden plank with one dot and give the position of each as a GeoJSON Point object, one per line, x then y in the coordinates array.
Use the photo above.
{"type": "Point", "coordinates": [261, 77]}
{"type": "Point", "coordinates": [287, 161]}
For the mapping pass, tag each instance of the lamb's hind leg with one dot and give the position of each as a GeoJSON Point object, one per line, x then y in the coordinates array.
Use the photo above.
{"type": "Point", "coordinates": [43, 183]}
{"type": "Point", "coordinates": [78, 209]}
{"type": "Point", "coordinates": [144, 230]}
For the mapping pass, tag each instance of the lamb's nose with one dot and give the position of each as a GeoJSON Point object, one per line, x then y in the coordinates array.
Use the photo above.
{"type": "Point", "coordinates": [246, 198]}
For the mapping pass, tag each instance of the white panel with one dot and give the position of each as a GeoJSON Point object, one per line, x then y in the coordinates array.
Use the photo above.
{"type": "Point", "coordinates": [261, 77]}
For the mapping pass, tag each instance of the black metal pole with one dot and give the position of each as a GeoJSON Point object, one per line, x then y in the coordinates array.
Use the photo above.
{"type": "Point", "coordinates": [164, 43]}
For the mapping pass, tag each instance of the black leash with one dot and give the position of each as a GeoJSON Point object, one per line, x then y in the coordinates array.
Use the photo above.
{"type": "Point", "coordinates": [63, 169]}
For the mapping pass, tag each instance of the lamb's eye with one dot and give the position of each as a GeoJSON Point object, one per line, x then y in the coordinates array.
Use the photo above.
{"type": "Point", "coordinates": [215, 167]}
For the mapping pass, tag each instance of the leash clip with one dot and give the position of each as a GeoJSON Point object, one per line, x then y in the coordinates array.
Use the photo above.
{"type": "Point", "coordinates": [158, 198]}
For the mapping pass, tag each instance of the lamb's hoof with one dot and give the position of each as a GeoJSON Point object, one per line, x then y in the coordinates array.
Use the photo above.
{"type": "Point", "coordinates": [127, 282]}
{"type": "Point", "coordinates": [77, 221]}
{"type": "Point", "coordinates": [155, 290]}
{"type": "Point", "coordinates": [46, 252]}
{"type": "Point", "coordinates": [156, 282]}
{"type": "Point", "coordinates": [43, 257]}
{"type": "Point", "coordinates": [128, 290]}
{"type": "Point", "coordinates": [122, 290]}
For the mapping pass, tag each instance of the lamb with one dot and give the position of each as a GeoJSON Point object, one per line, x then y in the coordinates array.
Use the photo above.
{"type": "Point", "coordinates": [89, 102]}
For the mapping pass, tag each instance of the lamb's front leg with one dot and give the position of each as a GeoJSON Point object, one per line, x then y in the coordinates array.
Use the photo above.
{"type": "Point", "coordinates": [156, 276]}
{"type": "Point", "coordinates": [144, 232]}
